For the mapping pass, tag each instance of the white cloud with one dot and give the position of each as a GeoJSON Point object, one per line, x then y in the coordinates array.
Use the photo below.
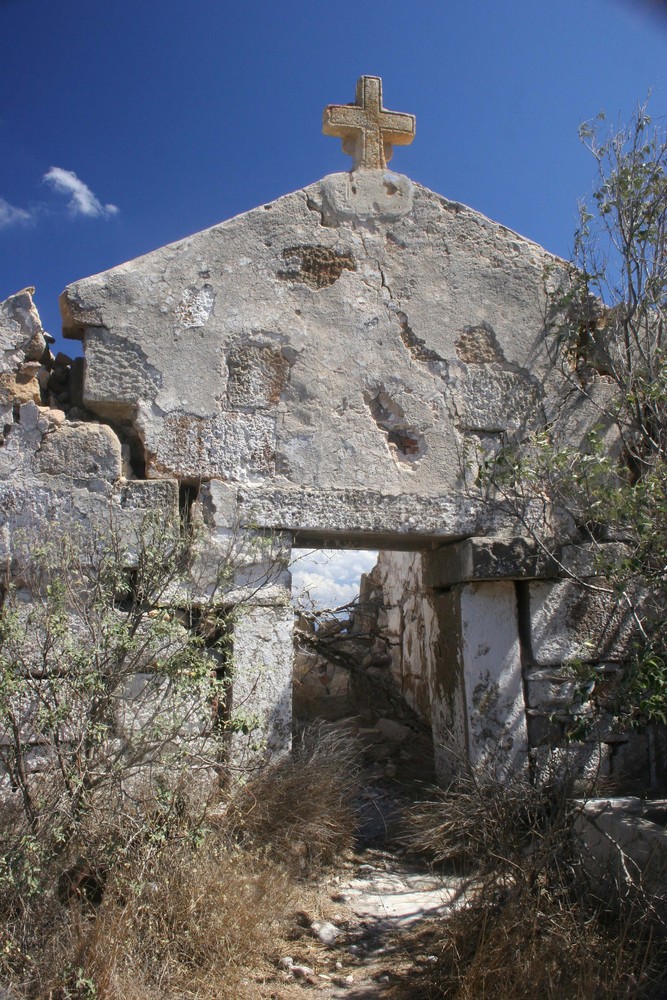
{"type": "Point", "coordinates": [10, 215]}
{"type": "Point", "coordinates": [329, 578]}
{"type": "Point", "coordinates": [82, 201]}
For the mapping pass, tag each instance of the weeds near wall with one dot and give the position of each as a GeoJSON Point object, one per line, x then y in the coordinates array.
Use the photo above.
{"type": "Point", "coordinates": [103, 677]}
{"type": "Point", "coordinates": [189, 901]}
{"type": "Point", "coordinates": [125, 868]}
{"type": "Point", "coordinates": [530, 922]}
{"type": "Point", "coordinates": [606, 326]}
{"type": "Point", "coordinates": [302, 810]}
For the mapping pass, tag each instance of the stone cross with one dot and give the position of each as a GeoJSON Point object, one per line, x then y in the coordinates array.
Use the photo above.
{"type": "Point", "coordinates": [367, 130]}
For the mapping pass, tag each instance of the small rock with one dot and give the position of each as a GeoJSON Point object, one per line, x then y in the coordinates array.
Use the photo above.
{"type": "Point", "coordinates": [325, 931]}
{"type": "Point", "coordinates": [302, 971]}
{"type": "Point", "coordinates": [299, 971]}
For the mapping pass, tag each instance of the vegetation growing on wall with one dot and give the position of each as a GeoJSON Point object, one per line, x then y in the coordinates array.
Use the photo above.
{"type": "Point", "coordinates": [130, 865]}
{"type": "Point", "coordinates": [608, 335]}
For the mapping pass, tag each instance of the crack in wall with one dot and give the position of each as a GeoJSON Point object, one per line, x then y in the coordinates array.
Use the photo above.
{"type": "Point", "coordinates": [417, 346]}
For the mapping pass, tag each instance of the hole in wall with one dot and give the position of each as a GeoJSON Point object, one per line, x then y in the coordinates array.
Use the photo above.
{"type": "Point", "coordinates": [405, 443]}
{"type": "Point", "coordinates": [188, 494]}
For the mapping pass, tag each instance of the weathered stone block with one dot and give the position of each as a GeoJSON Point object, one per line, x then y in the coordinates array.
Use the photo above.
{"type": "Point", "coordinates": [550, 691]}
{"type": "Point", "coordinates": [81, 452]}
{"type": "Point", "coordinates": [365, 196]}
{"type": "Point", "coordinates": [22, 336]}
{"type": "Point", "coordinates": [588, 763]}
{"type": "Point", "coordinates": [258, 374]}
{"type": "Point", "coordinates": [20, 387]}
{"type": "Point", "coordinates": [477, 559]}
{"type": "Point", "coordinates": [363, 515]}
{"type": "Point", "coordinates": [624, 847]}
{"type": "Point", "coordinates": [570, 623]}
{"type": "Point", "coordinates": [139, 497]}
{"type": "Point", "coordinates": [261, 699]}
{"type": "Point", "coordinates": [151, 709]}
{"type": "Point", "coordinates": [591, 560]}
{"type": "Point", "coordinates": [491, 661]}
{"type": "Point", "coordinates": [231, 445]}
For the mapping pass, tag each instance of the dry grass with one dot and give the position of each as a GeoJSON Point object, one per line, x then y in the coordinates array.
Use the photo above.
{"type": "Point", "coordinates": [202, 922]}
{"type": "Point", "coordinates": [301, 810]}
{"type": "Point", "coordinates": [530, 923]}
{"type": "Point", "coordinates": [188, 905]}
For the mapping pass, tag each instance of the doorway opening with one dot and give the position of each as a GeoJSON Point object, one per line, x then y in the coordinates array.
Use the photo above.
{"type": "Point", "coordinates": [365, 649]}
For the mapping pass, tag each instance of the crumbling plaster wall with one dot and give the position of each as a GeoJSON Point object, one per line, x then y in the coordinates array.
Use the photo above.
{"type": "Point", "coordinates": [337, 357]}
{"type": "Point", "coordinates": [329, 366]}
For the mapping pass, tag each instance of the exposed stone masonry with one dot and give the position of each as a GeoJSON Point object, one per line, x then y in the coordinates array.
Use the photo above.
{"type": "Point", "coordinates": [329, 368]}
{"type": "Point", "coordinates": [316, 266]}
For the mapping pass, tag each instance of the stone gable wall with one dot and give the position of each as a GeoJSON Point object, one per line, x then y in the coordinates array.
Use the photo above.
{"type": "Point", "coordinates": [329, 368]}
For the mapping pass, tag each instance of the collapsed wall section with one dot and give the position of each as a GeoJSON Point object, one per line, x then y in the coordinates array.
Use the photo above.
{"type": "Point", "coordinates": [69, 496]}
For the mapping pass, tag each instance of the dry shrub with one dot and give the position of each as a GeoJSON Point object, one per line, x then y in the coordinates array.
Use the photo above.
{"type": "Point", "coordinates": [185, 912]}
{"type": "Point", "coordinates": [481, 818]}
{"type": "Point", "coordinates": [200, 922]}
{"type": "Point", "coordinates": [166, 900]}
{"type": "Point", "coordinates": [302, 810]}
{"type": "Point", "coordinates": [529, 922]}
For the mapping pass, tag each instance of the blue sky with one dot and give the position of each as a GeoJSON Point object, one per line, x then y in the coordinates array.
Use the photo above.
{"type": "Point", "coordinates": [130, 124]}
{"type": "Point", "coordinates": [126, 125]}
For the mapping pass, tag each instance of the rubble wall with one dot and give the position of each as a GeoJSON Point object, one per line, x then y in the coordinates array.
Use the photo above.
{"type": "Point", "coordinates": [67, 479]}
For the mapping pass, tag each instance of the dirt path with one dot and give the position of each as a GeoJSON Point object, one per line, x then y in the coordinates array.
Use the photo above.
{"type": "Point", "coordinates": [379, 897]}
{"type": "Point", "coordinates": [375, 904]}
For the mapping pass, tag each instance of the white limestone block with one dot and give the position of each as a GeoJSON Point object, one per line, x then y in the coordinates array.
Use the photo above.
{"type": "Point", "coordinates": [81, 452]}
{"type": "Point", "coordinates": [568, 623]}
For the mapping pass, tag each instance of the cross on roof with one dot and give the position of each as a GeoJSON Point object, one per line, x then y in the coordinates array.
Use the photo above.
{"type": "Point", "coordinates": [367, 130]}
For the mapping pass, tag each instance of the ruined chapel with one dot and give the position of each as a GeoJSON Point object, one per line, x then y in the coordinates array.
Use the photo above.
{"type": "Point", "coordinates": [331, 369]}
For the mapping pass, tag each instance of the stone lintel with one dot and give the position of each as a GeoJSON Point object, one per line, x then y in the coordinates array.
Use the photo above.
{"type": "Point", "coordinates": [350, 517]}
{"type": "Point", "coordinates": [483, 559]}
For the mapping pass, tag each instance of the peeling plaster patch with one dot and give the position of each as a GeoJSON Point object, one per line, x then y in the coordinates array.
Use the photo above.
{"type": "Point", "coordinates": [195, 307]}
{"type": "Point", "coordinates": [258, 374]}
{"type": "Point", "coordinates": [316, 266]}
{"type": "Point", "coordinates": [404, 443]}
